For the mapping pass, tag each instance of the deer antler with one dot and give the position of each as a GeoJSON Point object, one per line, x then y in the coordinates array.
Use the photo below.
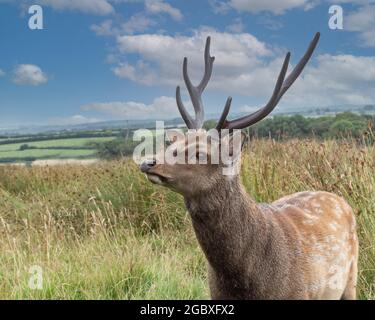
{"type": "Point", "coordinates": [195, 92]}
{"type": "Point", "coordinates": [280, 88]}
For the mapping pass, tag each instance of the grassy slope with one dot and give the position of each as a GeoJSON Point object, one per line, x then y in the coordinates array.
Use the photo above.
{"type": "Point", "coordinates": [12, 150]}
{"type": "Point", "coordinates": [103, 231]}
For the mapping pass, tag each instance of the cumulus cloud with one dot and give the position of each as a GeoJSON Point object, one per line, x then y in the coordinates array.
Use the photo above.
{"type": "Point", "coordinates": [159, 6]}
{"type": "Point", "coordinates": [336, 79]}
{"type": "Point", "coordinates": [160, 56]}
{"type": "Point", "coordinates": [247, 66]}
{"type": "Point", "coordinates": [160, 108]}
{"type": "Point", "coordinates": [29, 74]}
{"type": "Point", "coordinates": [363, 21]}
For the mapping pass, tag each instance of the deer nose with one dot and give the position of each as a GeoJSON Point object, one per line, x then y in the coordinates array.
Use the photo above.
{"type": "Point", "coordinates": [147, 164]}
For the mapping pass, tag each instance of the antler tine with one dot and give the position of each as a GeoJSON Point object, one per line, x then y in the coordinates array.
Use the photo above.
{"type": "Point", "coordinates": [195, 92]}
{"type": "Point", "coordinates": [300, 66]}
{"type": "Point", "coordinates": [208, 65]}
{"type": "Point", "coordinates": [188, 120]}
{"type": "Point", "coordinates": [224, 114]}
{"type": "Point", "coordinates": [263, 112]}
{"type": "Point", "coordinates": [280, 88]}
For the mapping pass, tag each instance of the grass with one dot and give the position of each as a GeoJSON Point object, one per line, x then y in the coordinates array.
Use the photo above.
{"type": "Point", "coordinates": [104, 232]}
{"type": "Point", "coordinates": [48, 153]}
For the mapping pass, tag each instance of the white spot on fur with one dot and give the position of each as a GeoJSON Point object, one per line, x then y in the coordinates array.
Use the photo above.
{"type": "Point", "coordinates": [314, 286]}
{"type": "Point", "coordinates": [337, 280]}
{"type": "Point", "coordinates": [330, 238]}
{"type": "Point", "coordinates": [317, 259]}
{"type": "Point", "coordinates": [317, 207]}
{"type": "Point", "coordinates": [338, 211]}
{"type": "Point", "coordinates": [319, 247]}
{"type": "Point", "coordinates": [333, 225]}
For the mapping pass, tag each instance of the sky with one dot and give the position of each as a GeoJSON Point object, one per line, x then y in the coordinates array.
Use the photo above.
{"type": "Point", "coordinates": [99, 60]}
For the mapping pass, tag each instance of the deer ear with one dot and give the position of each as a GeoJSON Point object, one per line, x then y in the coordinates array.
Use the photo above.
{"type": "Point", "coordinates": [231, 145]}
{"type": "Point", "coordinates": [236, 142]}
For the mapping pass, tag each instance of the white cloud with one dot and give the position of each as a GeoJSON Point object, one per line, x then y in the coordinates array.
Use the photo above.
{"type": "Point", "coordinates": [29, 74]}
{"type": "Point", "coordinates": [336, 79]}
{"type": "Point", "coordinates": [236, 27]}
{"type": "Point", "coordinates": [141, 72]}
{"type": "Point", "coordinates": [136, 23]}
{"type": "Point", "coordinates": [139, 22]}
{"type": "Point", "coordinates": [219, 6]}
{"type": "Point", "coordinates": [75, 119]}
{"type": "Point", "coordinates": [103, 7]}
{"type": "Point", "coordinates": [2, 73]}
{"type": "Point", "coordinates": [161, 108]}
{"type": "Point", "coordinates": [160, 56]}
{"type": "Point", "coordinates": [159, 6]}
{"type": "Point", "coordinates": [247, 66]}
{"type": "Point", "coordinates": [99, 7]}
{"type": "Point", "coordinates": [274, 6]}
{"type": "Point", "coordinates": [105, 28]}
{"type": "Point", "coordinates": [355, 2]}
{"type": "Point", "coordinates": [363, 21]}
{"type": "Point", "coordinates": [248, 109]}
{"type": "Point", "coordinates": [270, 22]}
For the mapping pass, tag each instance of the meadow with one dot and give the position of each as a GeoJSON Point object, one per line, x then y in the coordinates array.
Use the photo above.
{"type": "Point", "coordinates": [104, 232]}
{"type": "Point", "coordinates": [78, 148]}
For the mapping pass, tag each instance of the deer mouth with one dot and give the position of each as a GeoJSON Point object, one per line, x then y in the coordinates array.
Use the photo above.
{"type": "Point", "coordinates": [157, 178]}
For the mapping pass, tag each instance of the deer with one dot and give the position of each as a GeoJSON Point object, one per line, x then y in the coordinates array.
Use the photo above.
{"type": "Point", "coordinates": [302, 246]}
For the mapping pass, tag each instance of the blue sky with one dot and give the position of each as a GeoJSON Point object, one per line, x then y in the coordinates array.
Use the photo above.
{"type": "Point", "coordinates": [100, 60]}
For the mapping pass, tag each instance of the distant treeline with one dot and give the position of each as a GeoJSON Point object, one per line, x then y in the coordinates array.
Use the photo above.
{"type": "Point", "coordinates": [342, 125]}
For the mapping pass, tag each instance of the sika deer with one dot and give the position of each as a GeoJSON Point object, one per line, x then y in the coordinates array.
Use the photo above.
{"type": "Point", "coordinates": [302, 246]}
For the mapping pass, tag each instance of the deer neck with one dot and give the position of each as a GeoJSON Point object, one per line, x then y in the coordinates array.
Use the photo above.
{"type": "Point", "coordinates": [227, 223]}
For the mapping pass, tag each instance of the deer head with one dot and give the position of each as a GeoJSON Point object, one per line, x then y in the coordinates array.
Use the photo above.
{"type": "Point", "coordinates": [193, 176]}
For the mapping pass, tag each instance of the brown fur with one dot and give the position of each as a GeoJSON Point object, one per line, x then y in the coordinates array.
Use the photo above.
{"type": "Point", "coordinates": [303, 246]}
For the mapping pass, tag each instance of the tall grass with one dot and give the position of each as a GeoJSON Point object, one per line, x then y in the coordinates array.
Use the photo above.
{"type": "Point", "coordinates": [104, 232]}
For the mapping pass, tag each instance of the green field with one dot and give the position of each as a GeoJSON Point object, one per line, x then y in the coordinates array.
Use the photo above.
{"type": "Point", "coordinates": [77, 148]}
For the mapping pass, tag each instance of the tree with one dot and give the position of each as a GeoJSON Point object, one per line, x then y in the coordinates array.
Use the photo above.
{"type": "Point", "coordinates": [24, 147]}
